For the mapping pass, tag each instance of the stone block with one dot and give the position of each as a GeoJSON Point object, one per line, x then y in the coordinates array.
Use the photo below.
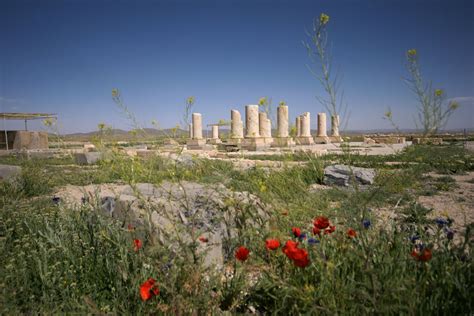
{"type": "Point", "coordinates": [88, 158]}
{"type": "Point", "coordinates": [8, 172]}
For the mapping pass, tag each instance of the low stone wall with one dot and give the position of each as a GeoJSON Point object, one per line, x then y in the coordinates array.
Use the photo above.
{"type": "Point", "coordinates": [24, 140]}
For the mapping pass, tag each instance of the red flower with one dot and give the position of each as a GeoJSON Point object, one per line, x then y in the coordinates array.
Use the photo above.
{"type": "Point", "coordinates": [296, 231]}
{"type": "Point", "coordinates": [330, 229]}
{"type": "Point", "coordinates": [321, 222]}
{"type": "Point", "coordinates": [316, 231]}
{"type": "Point", "coordinates": [351, 233]}
{"type": "Point", "coordinates": [423, 255]}
{"type": "Point", "coordinates": [242, 253]}
{"type": "Point", "coordinates": [299, 256]}
{"type": "Point", "coordinates": [137, 244]}
{"type": "Point", "coordinates": [203, 239]}
{"type": "Point", "coordinates": [130, 227]}
{"type": "Point", "coordinates": [149, 289]}
{"type": "Point", "coordinates": [272, 244]}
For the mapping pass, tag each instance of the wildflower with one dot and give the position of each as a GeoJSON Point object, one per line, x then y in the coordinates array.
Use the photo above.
{"type": "Point", "coordinates": [441, 222]}
{"type": "Point", "coordinates": [323, 19]}
{"type": "Point", "coordinates": [411, 52]}
{"type": "Point", "coordinates": [388, 114]}
{"type": "Point", "coordinates": [313, 241]}
{"type": "Point", "coordinates": [366, 223]}
{"type": "Point", "coordinates": [203, 239]}
{"type": "Point", "coordinates": [351, 233]}
{"type": "Point", "coordinates": [438, 92]}
{"type": "Point", "coordinates": [453, 105]}
{"type": "Point", "coordinates": [331, 229]}
{"type": "Point", "coordinates": [130, 227]}
{"type": "Point", "coordinates": [272, 244]}
{"type": "Point", "coordinates": [137, 244]}
{"type": "Point", "coordinates": [149, 289]}
{"type": "Point", "coordinates": [296, 231]}
{"type": "Point", "coordinates": [115, 93]}
{"type": "Point", "coordinates": [302, 237]}
{"type": "Point", "coordinates": [423, 255]}
{"type": "Point", "coordinates": [316, 231]}
{"type": "Point", "coordinates": [242, 253]}
{"type": "Point", "coordinates": [56, 200]}
{"type": "Point", "coordinates": [298, 255]}
{"type": "Point", "coordinates": [84, 200]}
{"type": "Point", "coordinates": [321, 222]}
{"type": "Point", "coordinates": [414, 238]}
{"type": "Point", "coordinates": [449, 233]}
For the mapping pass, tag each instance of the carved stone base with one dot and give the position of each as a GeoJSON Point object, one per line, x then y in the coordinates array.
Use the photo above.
{"type": "Point", "coordinates": [304, 140]}
{"type": "Point", "coordinates": [283, 142]}
{"type": "Point", "coordinates": [322, 139]}
{"type": "Point", "coordinates": [336, 139]}
{"type": "Point", "coordinates": [214, 141]}
{"type": "Point", "coordinates": [198, 144]}
{"type": "Point", "coordinates": [254, 144]}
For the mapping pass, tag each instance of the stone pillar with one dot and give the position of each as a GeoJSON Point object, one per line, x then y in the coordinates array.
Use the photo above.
{"type": "Point", "coordinates": [282, 121]}
{"type": "Point", "coordinates": [305, 130]}
{"type": "Point", "coordinates": [197, 142]}
{"type": "Point", "coordinates": [335, 137]}
{"type": "Point", "coordinates": [236, 125]}
{"type": "Point", "coordinates": [265, 127]}
{"type": "Point", "coordinates": [282, 139]}
{"type": "Point", "coordinates": [252, 129]}
{"type": "Point", "coordinates": [190, 127]}
{"type": "Point", "coordinates": [215, 135]}
{"type": "Point", "coordinates": [298, 126]}
{"type": "Point", "coordinates": [321, 136]}
{"type": "Point", "coordinates": [197, 126]}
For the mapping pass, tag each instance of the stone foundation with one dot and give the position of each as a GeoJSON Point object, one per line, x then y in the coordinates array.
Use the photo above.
{"type": "Point", "coordinates": [304, 140]}
{"type": "Point", "coordinates": [322, 140]}
{"type": "Point", "coordinates": [198, 144]}
{"type": "Point", "coordinates": [427, 140]}
{"type": "Point", "coordinates": [255, 144]}
{"type": "Point", "coordinates": [283, 142]}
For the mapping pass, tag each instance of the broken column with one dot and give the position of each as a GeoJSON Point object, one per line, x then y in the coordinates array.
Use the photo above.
{"type": "Point", "coordinates": [215, 135]}
{"type": "Point", "coordinates": [190, 127]}
{"type": "Point", "coordinates": [265, 127]}
{"type": "Point", "coordinates": [322, 136]}
{"type": "Point", "coordinates": [236, 126]}
{"type": "Point", "coordinates": [253, 139]}
{"type": "Point", "coordinates": [335, 137]}
{"type": "Point", "coordinates": [298, 126]}
{"type": "Point", "coordinates": [282, 139]}
{"type": "Point", "coordinates": [196, 142]}
{"type": "Point", "coordinates": [305, 137]}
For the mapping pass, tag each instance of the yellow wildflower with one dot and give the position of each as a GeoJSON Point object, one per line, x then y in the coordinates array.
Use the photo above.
{"type": "Point", "coordinates": [438, 92]}
{"type": "Point", "coordinates": [323, 19]}
{"type": "Point", "coordinates": [411, 52]}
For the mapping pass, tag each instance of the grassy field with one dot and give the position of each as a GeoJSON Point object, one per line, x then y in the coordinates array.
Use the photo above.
{"type": "Point", "coordinates": [58, 259]}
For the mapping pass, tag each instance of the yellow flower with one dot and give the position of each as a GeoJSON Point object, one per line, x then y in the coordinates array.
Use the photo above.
{"type": "Point", "coordinates": [453, 105]}
{"type": "Point", "coordinates": [388, 114]}
{"type": "Point", "coordinates": [115, 93]}
{"type": "Point", "coordinates": [411, 52]}
{"type": "Point", "coordinates": [323, 19]}
{"type": "Point", "coordinates": [438, 92]}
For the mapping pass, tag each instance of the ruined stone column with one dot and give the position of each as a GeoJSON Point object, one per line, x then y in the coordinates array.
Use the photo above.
{"type": "Point", "coordinates": [282, 121]}
{"type": "Point", "coordinates": [215, 131]}
{"type": "Point", "coordinates": [265, 127]}
{"type": "Point", "coordinates": [190, 127]}
{"type": "Point", "coordinates": [251, 121]}
{"type": "Point", "coordinates": [282, 139]}
{"type": "Point", "coordinates": [321, 136]}
{"type": "Point", "coordinates": [197, 126]}
{"type": "Point", "coordinates": [305, 130]}
{"type": "Point", "coordinates": [236, 125]}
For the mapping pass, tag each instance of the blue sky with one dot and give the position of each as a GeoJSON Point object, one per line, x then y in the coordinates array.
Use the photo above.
{"type": "Point", "coordinates": [66, 56]}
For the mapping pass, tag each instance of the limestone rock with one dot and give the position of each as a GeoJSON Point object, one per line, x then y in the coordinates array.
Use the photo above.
{"type": "Point", "coordinates": [8, 172]}
{"type": "Point", "coordinates": [87, 158]}
{"type": "Point", "coordinates": [343, 175]}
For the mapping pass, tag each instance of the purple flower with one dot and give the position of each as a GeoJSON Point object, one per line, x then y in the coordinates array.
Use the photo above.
{"type": "Point", "coordinates": [366, 223]}
{"type": "Point", "coordinates": [449, 233]}
{"type": "Point", "coordinates": [302, 236]}
{"type": "Point", "coordinates": [441, 222]}
{"type": "Point", "coordinates": [414, 238]}
{"type": "Point", "coordinates": [56, 200]}
{"type": "Point", "coordinates": [313, 241]}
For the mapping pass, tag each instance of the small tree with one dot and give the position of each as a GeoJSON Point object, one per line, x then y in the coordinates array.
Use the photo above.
{"type": "Point", "coordinates": [319, 54]}
{"type": "Point", "coordinates": [432, 115]}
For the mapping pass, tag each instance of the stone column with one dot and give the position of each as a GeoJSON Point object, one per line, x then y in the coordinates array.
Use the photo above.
{"type": "Point", "coordinates": [265, 127]}
{"type": "Point", "coordinates": [282, 121]}
{"type": "Point", "coordinates": [197, 126]}
{"type": "Point", "coordinates": [305, 130]}
{"type": "Point", "coordinates": [215, 131]}
{"type": "Point", "coordinates": [190, 127]}
{"type": "Point", "coordinates": [322, 125]}
{"type": "Point", "coordinates": [236, 125]}
{"type": "Point", "coordinates": [298, 126]}
{"type": "Point", "coordinates": [306, 125]}
{"type": "Point", "coordinates": [251, 121]}
{"type": "Point", "coordinates": [335, 125]}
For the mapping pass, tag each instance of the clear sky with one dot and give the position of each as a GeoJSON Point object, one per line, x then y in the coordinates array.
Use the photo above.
{"type": "Point", "coordinates": [66, 56]}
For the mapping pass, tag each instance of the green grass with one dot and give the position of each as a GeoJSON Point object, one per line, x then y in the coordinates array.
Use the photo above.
{"type": "Point", "coordinates": [60, 260]}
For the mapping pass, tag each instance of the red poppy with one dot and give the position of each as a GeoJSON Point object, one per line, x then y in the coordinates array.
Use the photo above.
{"type": "Point", "coordinates": [331, 229]}
{"type": "Point", "coordinates": [242, 253]}
{"type": "Point", "coordinates": [149, 289]}
{"type": "Point", "coordinates": [296, 231]}
{"type": "Point", "coordinates": [321, 222]}
{"type": "Point", "coordinates": [299, 256]}
{"type": "Point", "coordinates": [423, 255]}
{"type": "Point", "coordinates": [203, 239]}
{"type": "Point", "coordinates": [137, 244]}
{"type": "Point", "coordinates": [272, 244]}
{"type": "Point", "coordinates": [316, 231]}
{"type": "Point", "coordinates": [351, 233]}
